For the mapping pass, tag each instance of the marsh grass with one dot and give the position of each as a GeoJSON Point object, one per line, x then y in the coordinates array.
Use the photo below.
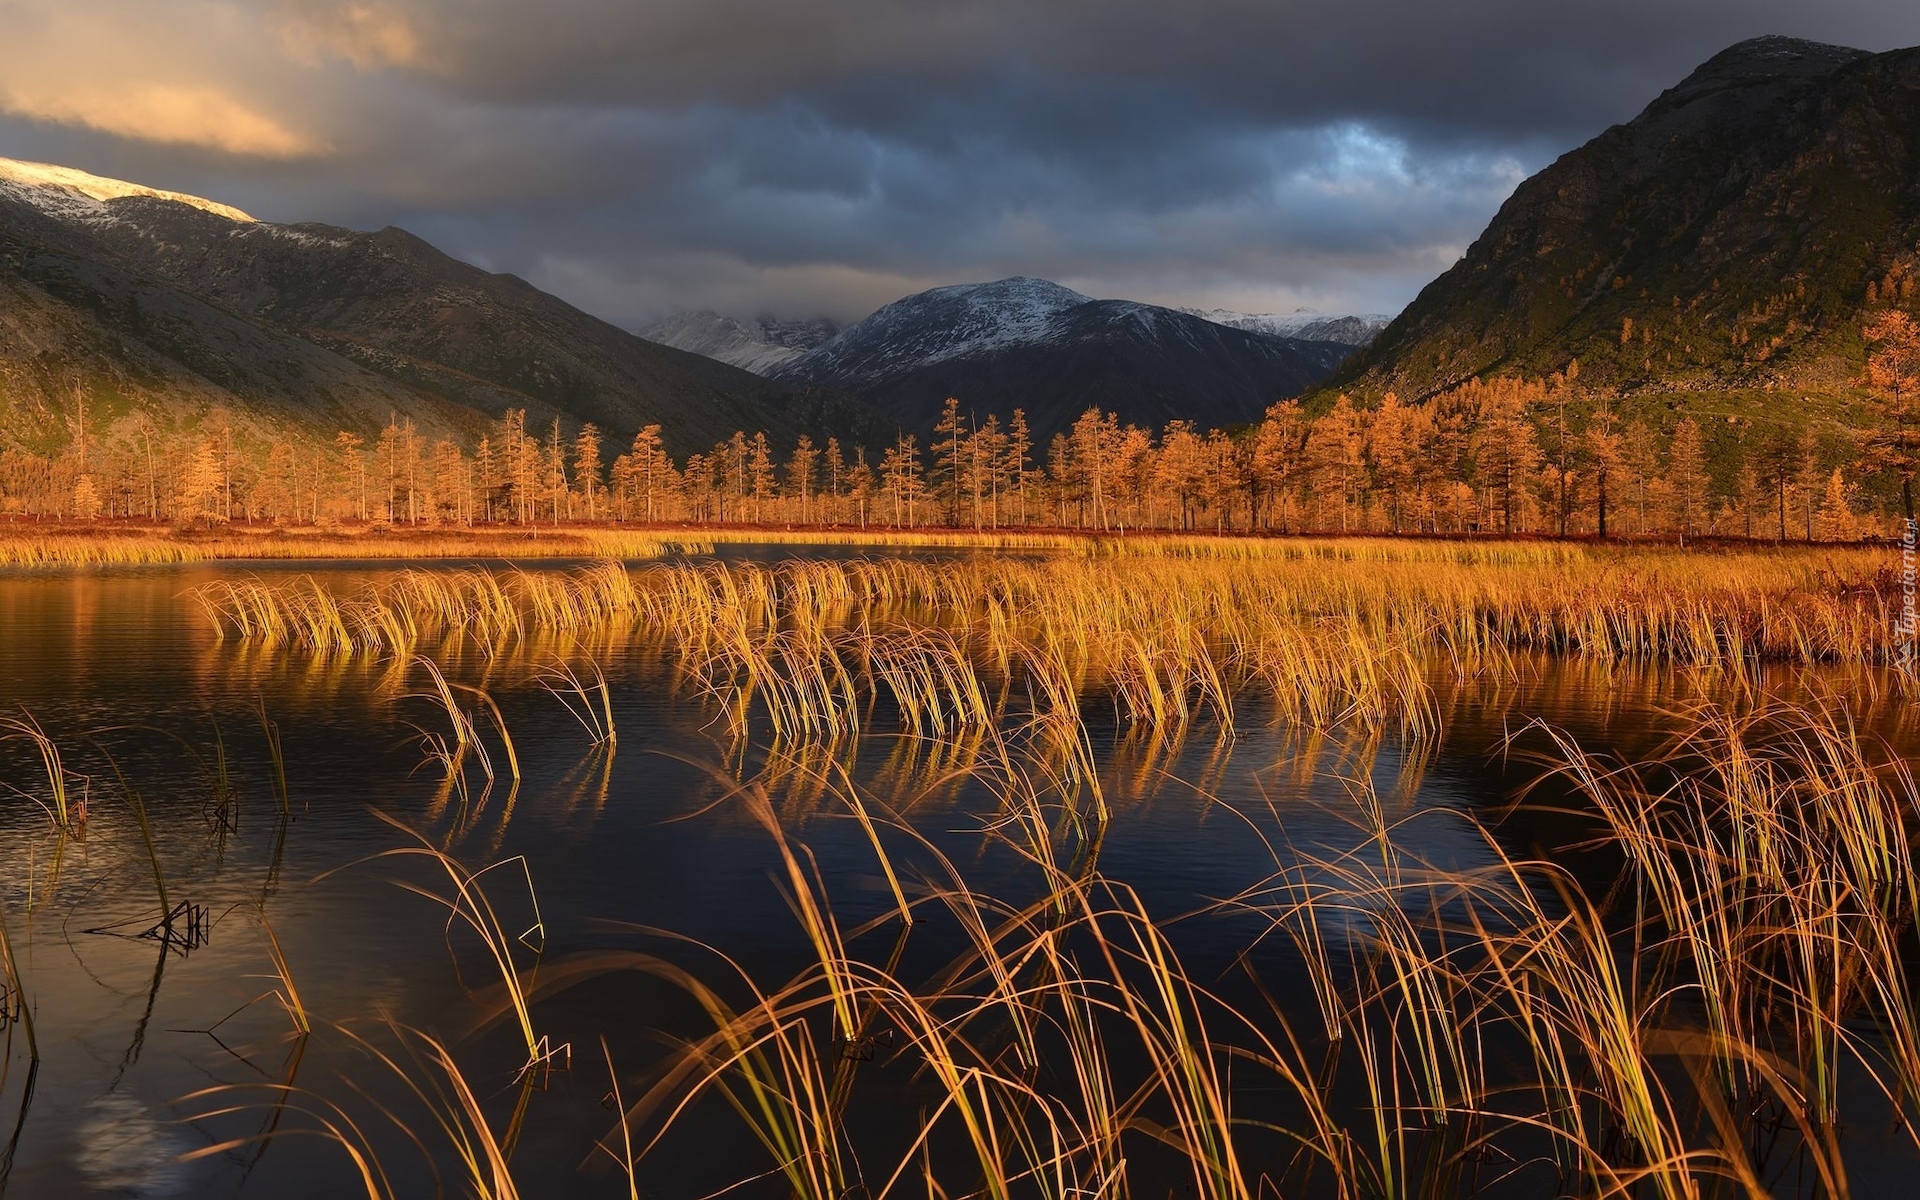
{"type": "Point", "coordinates": [74, 548]}
{"type": "Point", "coordinates": [411, 1065]}
{"type": "Point", "coordinates": [1176, 635]}
{"type": "Point", "coordinates": [560, 680]}
{"type": "Point", "coordinates": [288, 993]}
{"type": "Point", "coordinates": [1447, 1030]}
{"type": "Point", "coordinates": [161, 545]}
{"type": "Point", "coordinates": [463, 728]}
{"type": "Point", "coordinates": [469, 906]}
{"type": "Point", "coordinates": [16, 1005]}
{"type": "Point", "coordinates": [27, 727]}
{"type": "Point", "coordinates": [1426, 978]}
{"type": "Point", "coordinates": [270, 730]}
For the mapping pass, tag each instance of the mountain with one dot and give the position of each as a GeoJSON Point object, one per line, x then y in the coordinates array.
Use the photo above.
{"type": "Point", "coordinates": [1034, 345]}
{"type": "Point", "coordinates": [1305, 324]}
{"type": "Point", "coordinates": [757, 346]}
{"type": "Point", "coordinates": [164, 306]}
{"type": "Point", "coordinates": [1731, 237]}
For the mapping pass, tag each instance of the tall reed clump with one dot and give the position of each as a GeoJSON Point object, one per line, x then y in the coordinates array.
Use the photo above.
{"type": "Point", "coordinates": [1013, 1043]}
{"type": "Point", "coordinates": [443, 1109]}
{"type": "Point", "coordinates": [1772, 852]}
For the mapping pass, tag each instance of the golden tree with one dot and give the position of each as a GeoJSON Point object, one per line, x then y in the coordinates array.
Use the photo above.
{"type": "Point", "coordinates": [1605, 449]}
{"type": "Point", "coordinates": [1396, 442]}
{"type": "Point", "coordinates": [1506, 449]}
{"type": "Point", "coordinates": [1334, 447]}
{"type": "Point", "coordinates": [800, 475]}
{"type": "Point", "coordinates": [1687, 475]}
{"type": "Point", "coordinates": [586, 465]}
{"type": "Point", "coordinates": [1279, 454]}
{"type": "Point", "coordinates": [1893, 373]}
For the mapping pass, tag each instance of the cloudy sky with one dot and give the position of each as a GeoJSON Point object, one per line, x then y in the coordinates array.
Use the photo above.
{"type": "Point", "coordinates": [797, 157]}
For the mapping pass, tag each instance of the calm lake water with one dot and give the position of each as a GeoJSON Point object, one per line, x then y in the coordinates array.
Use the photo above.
{"type": "Point", "coordinates": [128, 675]}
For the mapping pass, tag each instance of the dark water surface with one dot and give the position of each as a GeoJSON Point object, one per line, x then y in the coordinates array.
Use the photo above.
{"type": "Point", "coordinates": [127, 674]}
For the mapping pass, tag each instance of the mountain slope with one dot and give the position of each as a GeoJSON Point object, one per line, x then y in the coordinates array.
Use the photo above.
{"type": "Point", "coordinates": [78, 322]}
{"type": "Point", "coordinates": [313, 325]}
{"type": "Point", "coordinates": [1306, 324]}
{"type": "Point", "coordinates": [1733, 235]}
{"type": "Point", "coordinates": [1030, 344]}
{"type": "Point", "coordinates": [759, 346]}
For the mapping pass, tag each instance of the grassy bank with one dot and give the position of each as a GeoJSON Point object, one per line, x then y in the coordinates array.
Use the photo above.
{"type": "Point", "coordinates": [120, 544]}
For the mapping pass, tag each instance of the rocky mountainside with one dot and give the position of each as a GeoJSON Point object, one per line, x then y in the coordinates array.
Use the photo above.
{"type": "Point", "coordinates": [1034, 345]}
{"type": "Point", "coordinates": [1732, 236]}
{"type": "Point", "coordinates": [1306, 324]}
{"type": "Point", "coordinates": [168, 306]}
{"type": "Point", "coordinates": [758, 346]}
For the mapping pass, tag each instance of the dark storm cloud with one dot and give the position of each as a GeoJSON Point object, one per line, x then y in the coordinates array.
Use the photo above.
{"type": "Point", "coordinates": [763, 154]}
{"type": "Point", "coordinates": [1501, 67]}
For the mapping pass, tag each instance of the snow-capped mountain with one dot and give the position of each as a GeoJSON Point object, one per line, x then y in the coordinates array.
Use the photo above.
{"type": "Point", "coordinates": [757, 346]}
{"type": "Point", "coordinates": [1357, 330]}
{"type": "Point", "coordinates": [1031, 344]}
{"type": "Point", "coordinates": [935, 326]}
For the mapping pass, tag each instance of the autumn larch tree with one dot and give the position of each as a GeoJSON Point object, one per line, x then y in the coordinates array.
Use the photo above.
{"type": "Point", "coordinates": [949, 434]}
{"type": "Point", "coordinates": [1606, 451]}
{"type": "Point", "coordinates": [860, 483]}
{"type": "Point", "coordinates": [834, 462]}
{"type": "Point", "coordinates": [1777, 463]}
{"type": "Point", "coordinates": [981, 468]}
{"type": "Point", "coordinates": [1506, 451]}
{"type": "Point", "coordinates": [1394, 444]}
{"type": "Point", "coordinates": [1687, 475]}
{"type": "Point", "coordinates": [1279, 453]}
{"type": "Point", "coordinates": [901, 475]}
{"type": "Point", "coordinates": [1335, 449]}
{"type": "Point", "coordinates": [1019, 448]}
{"type": "Point", "coordinates": [586, 464]}
{"type": "Point", "coordinates": [760, 471]}
{"type": "Point", "coordinates": [800, 475]}
{"type": "Point", "coordinates": [1893, 373]}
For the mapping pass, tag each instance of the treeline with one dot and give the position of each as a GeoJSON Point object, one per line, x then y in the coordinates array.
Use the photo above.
{"type": "Point", "coordinates": [1499, 456]}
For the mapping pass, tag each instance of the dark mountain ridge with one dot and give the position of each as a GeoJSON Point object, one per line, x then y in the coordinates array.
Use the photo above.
{"type": "Point", "coordinates": [171, 308]}
{"type": "Point", "coordinates": [1732, 236]}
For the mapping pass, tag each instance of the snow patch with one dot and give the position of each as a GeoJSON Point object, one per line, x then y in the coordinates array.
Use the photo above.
{"type": "Point", "coordinates": [303, 236]}
{"type": "Point", "coordinates": [1306, 323]}
{"type": "Point", "coordinates": [69, 194]}
{"type": "Point", "coordinates": [759, 346]}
